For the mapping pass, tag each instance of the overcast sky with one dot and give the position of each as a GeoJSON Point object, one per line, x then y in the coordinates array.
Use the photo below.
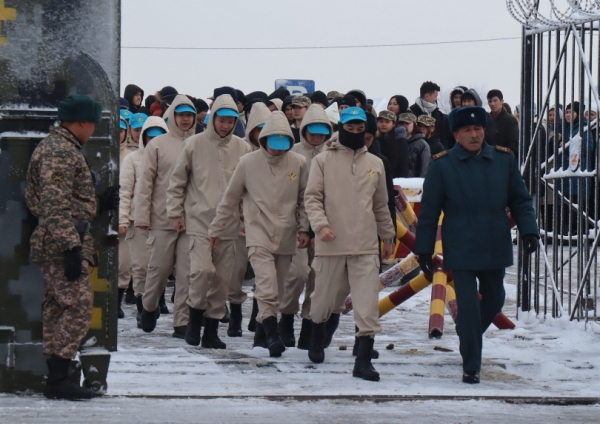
{"type": "Point", "coordinates": [379, 71]}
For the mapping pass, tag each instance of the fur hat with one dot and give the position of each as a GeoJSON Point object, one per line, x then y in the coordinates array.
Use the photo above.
{"type": "Point", "coordinates": [468, 115]}
{"type": "Point", "coordinates": [79, 108]}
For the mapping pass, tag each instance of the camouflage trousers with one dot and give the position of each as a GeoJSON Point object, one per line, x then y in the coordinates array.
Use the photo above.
{"type": "Point", "coordinates": [67, 309]}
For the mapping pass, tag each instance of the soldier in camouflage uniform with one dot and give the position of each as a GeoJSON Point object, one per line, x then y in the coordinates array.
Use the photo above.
{"type": "Point", "coordinates": [61, 192]}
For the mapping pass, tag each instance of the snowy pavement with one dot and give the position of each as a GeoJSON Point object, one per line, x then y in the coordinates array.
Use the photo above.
{"type": "Point", "coordinates": [551, 358]}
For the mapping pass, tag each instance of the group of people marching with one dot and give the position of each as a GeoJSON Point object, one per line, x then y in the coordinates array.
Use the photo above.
{"type": "Point", "coordinates": [283, 182]}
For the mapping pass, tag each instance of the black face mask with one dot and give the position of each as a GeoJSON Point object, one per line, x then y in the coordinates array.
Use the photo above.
{"type": "Point", "coordinates": [353, 141]}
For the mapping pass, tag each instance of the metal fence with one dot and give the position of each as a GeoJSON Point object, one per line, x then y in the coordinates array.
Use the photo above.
{"type": "Point", "coordinates": [558, 153]}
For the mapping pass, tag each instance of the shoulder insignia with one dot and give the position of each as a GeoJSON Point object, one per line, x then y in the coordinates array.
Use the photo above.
{"type": "Point", "coordinates": [503, 149]}
{"type": "Point", "coordinates": [439, 155]}
{"type": "Point", "coordinates": [58, 177]}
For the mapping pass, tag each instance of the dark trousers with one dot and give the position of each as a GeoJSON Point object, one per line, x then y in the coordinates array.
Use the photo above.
{"type": "Point", "coordinates": [474, 317]}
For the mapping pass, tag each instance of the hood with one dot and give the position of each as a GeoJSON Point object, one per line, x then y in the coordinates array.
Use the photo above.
{"type": "Point", "coordinates": [130, 91]}
{"type": "Point", "coordinates": [151, 122]}
{"type": "Point", "coordinates": [314, 115]}
{"type": "Point", "coordinates": [258, 115]}
{"type": "Point", "coordinates": [174, 130]}
{"type": "Point", "coordinates": [457, 89]}
{"type": "Point", "coordinates": [360, 96]}
{"type": "Point", "coordinates": [473, 93]}
{"type": "Point", "coordinates": [277, 123]}
{"type": "Point", "coordinates": [224, 101]}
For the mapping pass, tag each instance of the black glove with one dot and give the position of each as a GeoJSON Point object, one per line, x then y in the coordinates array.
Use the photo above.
{"type": "Point", "coordinates": [109, 200]}
{"type": "Point", "coordinates": [426, 264]}
{"type": "Point", "coordinates": [530, 243]}
{"type": "Point", "coordinates": [73, 260]}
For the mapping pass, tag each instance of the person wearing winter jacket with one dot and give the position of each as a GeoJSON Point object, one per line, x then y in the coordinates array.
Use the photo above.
{"type": "Point", "coordinates": [426, 126]}
{"type": "Point", "coordinates": [314, 132]}
{"type": "Point", "coordinates": [427, 104]}
{"type": "Point", "coordinates": [135, 238]}
{"type": "Point", "coordinates": [419, 154]}
{"type": "Point", "coordinates": [165, 243]}
{"type": "Point", "coordinates": [236, 295]}
{"type": "Point", "coordinates": [506, 132]}
{"type": "Point", "coordinates": [393, 143]}
{"type": "Point", "coordinates": [197, 184]}
{"type": "Point", "coordinates": [347, 205]}
{"type": "Point", "coordinates": [271, 182]}
{"type": "Point", "coordinates": [134, 95]}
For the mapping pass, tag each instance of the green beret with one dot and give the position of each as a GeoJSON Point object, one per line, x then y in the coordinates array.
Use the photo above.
{"type": "Point", "coordinates": [79, 108]}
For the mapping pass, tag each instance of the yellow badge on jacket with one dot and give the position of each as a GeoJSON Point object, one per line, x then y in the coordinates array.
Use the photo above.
{"type": "Point", "coordinates": [233, 170]}
{"type": "Point", "coordinates": [370, 172]}
{"type": "Point", "coordinates": [293, 176]}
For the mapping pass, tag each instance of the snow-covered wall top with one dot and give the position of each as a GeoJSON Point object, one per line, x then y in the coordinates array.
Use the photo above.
{"type": "Point", "coordinates": [52, 48]}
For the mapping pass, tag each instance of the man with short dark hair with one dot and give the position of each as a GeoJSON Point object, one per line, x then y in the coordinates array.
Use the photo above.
{"type": "Point", "coordinates": [507, 126]}
{"type": "Point", "coordinates": [426, 104]}
{"type": "Point", "coordinates": [472, 184]}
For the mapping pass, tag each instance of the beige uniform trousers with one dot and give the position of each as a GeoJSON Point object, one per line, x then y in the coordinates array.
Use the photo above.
{"type": "Point", "coordinates": [300, 276]}
{"type": "Point", "coordinates": [236, 293]}
{"type": "Point", "coordinates": [140, 256]}
{"type": "Point", "coordinates": [338, 276]}
{"type": "Point", "coordinates": [270, 271]}
{"type": "Point", "coordinates": [210, 275]}
{"type": "Point", "coordinates": [168, 249]}
{"type": "Point", "coordinates": [125, 272]}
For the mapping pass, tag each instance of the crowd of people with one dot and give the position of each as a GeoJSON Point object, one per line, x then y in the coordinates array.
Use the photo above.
{"type": "Point", "coordinates": [187, 166]}
{"type": "Point", "coordinates": [300, 188]}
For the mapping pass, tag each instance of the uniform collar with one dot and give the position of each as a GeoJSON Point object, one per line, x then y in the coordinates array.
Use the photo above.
{"type": "Point", "coordinates": [67, 134]}
{"type": "Point", "coordinates": [487, 152]}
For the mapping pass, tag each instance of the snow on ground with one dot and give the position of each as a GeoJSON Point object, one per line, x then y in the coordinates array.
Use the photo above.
{"type": "Point", "coordinates": [540, 358]}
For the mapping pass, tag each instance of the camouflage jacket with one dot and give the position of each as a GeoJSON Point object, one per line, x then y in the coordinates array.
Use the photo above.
{"type": "Point", "coordinates": [60, 187]}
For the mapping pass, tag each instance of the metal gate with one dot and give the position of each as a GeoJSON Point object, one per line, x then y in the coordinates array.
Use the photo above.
{"type": "Point", "coordinates": [558, 153]}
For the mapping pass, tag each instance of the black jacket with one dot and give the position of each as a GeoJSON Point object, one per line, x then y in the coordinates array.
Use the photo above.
{"type": "Point", "coordinates": [442, 128]}
{"type": "Point", "coordinates": [395, 148]}
{"type": "Point", "coordinates": [506, 133]}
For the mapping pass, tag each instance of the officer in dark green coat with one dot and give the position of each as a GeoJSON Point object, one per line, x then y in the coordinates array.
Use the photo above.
{"type": "Point", "coordinates": [473, 183]}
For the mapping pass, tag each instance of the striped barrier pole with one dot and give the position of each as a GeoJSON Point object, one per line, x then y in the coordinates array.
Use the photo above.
{"type": "Point", "coordinates": [438, 291]}
{"type": "Point", "coordinates": [405, 211]}
{"type": "Point", "coordinates": [392, 276]}
{"type": "Point", "coordinates": [403, 293]}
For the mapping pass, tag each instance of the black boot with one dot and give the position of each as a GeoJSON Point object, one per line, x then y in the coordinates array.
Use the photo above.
{"type": "Point", "coordinates": [162, 304]}
{"type": "Point", "coordinates": [130, 294]}
{"type": "Point", "coordinates": [470, 377]}
{"type": "Point", "coordinates": [286, 330]}
{"type": "Point", "coordinates": [252, 322]}
{"type": "Point", "coordinates": [316, 350]}
{"type": "Point", "coordinates": [173, 294]}
{"type": "Point", "coordinates": [363, 367]}
{"type": "Point", "coordinates": [210, 338]}
{"type": "Point", "coordinates": [192, 331]}
{"type": "Point", "coordinates": [140, 308]}
{"type": "Point", "coordinates": [120, 294]}
{"type": "Point", "coordinates": [235, 322]}
{"type": "Point", "coordinates": [179, 332]}
{"type": "Point", "coordinates": [374, 352]}
{"type": "Point", "coordinates": [260, 338]}
{"type": "Point", "coordinates": [274, 342]}
{"type": "Point", "coordinates": [58, 386]}
{"type": "Point", "coordinates": [304, 339]}
{"type": "Point", "coordinates": [148, 319]}
{"type": "Point", "coordinates": [227, 317]}
{"type": "Point", "coordinates": [330, 326]}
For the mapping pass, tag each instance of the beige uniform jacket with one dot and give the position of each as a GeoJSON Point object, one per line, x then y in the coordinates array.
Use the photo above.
{"type": "Point", "coordinates": [158, 162]}
{"type": "Point", "coordinates": [131, 171]}
{"type": "Point", "coordinates": [272, 190]}
{"type": "Point", "coordinates": [202, 173]}
{"type": "Point", "coordinates": [346, 192]}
